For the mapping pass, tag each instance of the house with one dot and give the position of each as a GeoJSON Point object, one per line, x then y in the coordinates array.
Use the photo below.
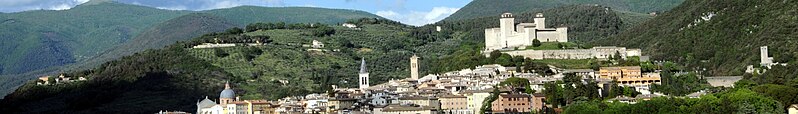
{"type": "Point", "coordinates": [793, 109]}
{"type": "Point", "coordinates": [538, 101]}
{"type": "Point", "coordinates": [421, 101]}
{"type": "Point", "coordinates": [454, 104]}
{"type": "Point", "coordinates": [405, 109]}
{"type": "Point", "coordinates": [511, 103]}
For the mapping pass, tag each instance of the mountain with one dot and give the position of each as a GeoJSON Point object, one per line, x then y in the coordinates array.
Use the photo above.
{"type": "Point", "coordinates": [176, 76]}
{"type": "Point", "coordinates": [45, 42]}
{"type": "Point", "coordinates": [44, 38]}
{"type": "Point", "coordinates": [481, 8]}
{"type": "Point", "coordinates": [721, 36]}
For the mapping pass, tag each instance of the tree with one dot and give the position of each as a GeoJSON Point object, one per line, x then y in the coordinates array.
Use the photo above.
{"type": "Point", "coordinates": [536, 43]}
{"type": "Point", "coordinates": [618, 56]}
{"type": "Point", "coordinates": [553, 93]}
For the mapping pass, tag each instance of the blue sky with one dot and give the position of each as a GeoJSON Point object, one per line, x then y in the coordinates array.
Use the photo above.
{"type": "Point", "coordinates": [413, 12]}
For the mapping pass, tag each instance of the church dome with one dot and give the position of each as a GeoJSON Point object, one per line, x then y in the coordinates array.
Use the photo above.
{"type": "Point", "coordinates": [227, 92]}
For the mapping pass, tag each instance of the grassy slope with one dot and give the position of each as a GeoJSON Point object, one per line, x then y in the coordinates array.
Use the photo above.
{"type": "Point", "coordinates": [726, 42]}
{"type": "Point", "coordinates": [39, 42]}
{"type": "Point", "coordinates": [482, 8]}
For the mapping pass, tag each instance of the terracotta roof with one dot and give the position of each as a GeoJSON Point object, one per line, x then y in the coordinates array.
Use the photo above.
{"type": "Point", "coordinates": [417, 98]}
{"type": "Point", "coordinates": [392, 108]}
{"type": "Point", "coordinates": [451, 96]}
{"type": "Point", "coordinates": [514, 95]}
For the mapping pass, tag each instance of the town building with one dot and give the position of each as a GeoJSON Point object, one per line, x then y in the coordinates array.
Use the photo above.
{"type": "Point", "coordinates": [538, 101]}
{"type": "Point", "coordinates": [510, 35]}
{"type": "Point", "coordinates": [511, 103]}
{"type": "Point", "coordinates": [454, 104]}
{"type": "Point", "coordinates": [475, 99]}
{"type": "Point", "coordinates": [405, 109]}
{"type": "Point", "coordinates": [793, 109]}
{"type": "Point", "coordinates": [628, 75]}
{"type": "Point", "coordinates": [421, 101]}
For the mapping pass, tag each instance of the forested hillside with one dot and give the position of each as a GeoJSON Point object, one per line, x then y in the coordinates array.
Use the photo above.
{"type": "Point", "coordinates": [42, 42]}
{"type": "Point", "coordinates": [722, 36]}
{"type": "Point", "coordinates": [482, 8]}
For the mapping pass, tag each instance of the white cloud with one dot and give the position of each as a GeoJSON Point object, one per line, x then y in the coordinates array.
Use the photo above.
{"type": "Point", "coordinates": [224, 4]}
{"type": "Point", "coordinates": [419, 18]}
{"type": "Point", "coordinates": [177, 7]}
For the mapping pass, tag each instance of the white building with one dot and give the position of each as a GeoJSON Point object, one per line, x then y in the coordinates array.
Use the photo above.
{"type": "Point", "coordinates": [349, 25]}
{"type": "Point", "coordinates": [510, 35]}
{"type": "Point", "coordinates": [317, 44]}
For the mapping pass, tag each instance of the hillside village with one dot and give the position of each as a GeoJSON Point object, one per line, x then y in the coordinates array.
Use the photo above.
{"type": "Point", "coordinates": [544, 58]}
{"type": "Point", "coordinates": [470, 91]}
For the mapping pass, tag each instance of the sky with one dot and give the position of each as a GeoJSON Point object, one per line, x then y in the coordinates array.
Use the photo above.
{"type": "Point", "coordinates": [412, 12]}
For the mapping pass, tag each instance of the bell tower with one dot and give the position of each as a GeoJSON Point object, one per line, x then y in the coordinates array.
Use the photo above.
{"type": "Point", "coordinates": [414, 67]}
{"type": "Point", "coordinates": [363, 75]}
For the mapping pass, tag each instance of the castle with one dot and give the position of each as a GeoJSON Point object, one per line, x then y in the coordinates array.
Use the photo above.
{"type": "Point", "coordinates": [510, 35]}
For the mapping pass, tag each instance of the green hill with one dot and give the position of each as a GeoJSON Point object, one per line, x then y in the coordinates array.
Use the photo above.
{"type": "Point", "coordinates": [722, 36]}
{"type": "Point", "coordinates": [482, 8]}
{"type": "Point", "coordinates": [142, 82]}
{"type": "Point", "coordinates": [41, 42]}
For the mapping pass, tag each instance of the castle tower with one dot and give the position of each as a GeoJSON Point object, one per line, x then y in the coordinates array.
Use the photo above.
{"type": "Point", "coordinates": [414, 67]}
{"type": "Point", "coordinates": [507, 26]}
{"type": "Point", "coordinates": [540, 22]}
{"type": "Point", "coordinates": [763, 56]}
{"type": "Point", "coordinates": [227, 94]}
{"type": "Point", "coordinates": [364, 75]}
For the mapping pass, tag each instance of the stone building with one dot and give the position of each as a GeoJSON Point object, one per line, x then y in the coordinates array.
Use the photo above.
{"type": "Point", "coordinates": [414, 67]}
{"type": "Point", "coordinates": [538, 101]}
{"type": "Point", "coordinates": [601, 52]}
{"type": "Point", "coordinates": [511, 103]}
{"type": "Point", "coordinates": [420, 100]}
{"type": "Point", "coordinates": [454, 104]}
{"type": "Point", "coordinates": [628, 75]}
{"type": "Point", "coordinates": [475, 98]}
{"type": "Point", "coordinates": [510, 35]}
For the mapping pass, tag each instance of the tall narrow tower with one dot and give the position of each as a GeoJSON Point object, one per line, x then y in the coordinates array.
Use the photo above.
{"type": "Point", "coordinates": [364, 75]}
{"type": "Point", "coordinates": [540, 22]}
{"type": "Point", "coordinates": [763, 55]}
{"type": "Point", "coordinates": [414, 67]}
{"type": "Point", "coordinates": [507, 27]}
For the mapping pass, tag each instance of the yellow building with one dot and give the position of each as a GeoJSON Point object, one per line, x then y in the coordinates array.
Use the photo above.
{"type": "Point", "coordinates": [454, 104]}
{"type": "Point", "coordinates": [628, 75]}
{"type": "Point", "coordinates": [475, 99]}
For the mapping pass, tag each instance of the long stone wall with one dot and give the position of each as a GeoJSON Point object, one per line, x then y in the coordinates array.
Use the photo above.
{"type": "Point", "coordinates": [596, 52]}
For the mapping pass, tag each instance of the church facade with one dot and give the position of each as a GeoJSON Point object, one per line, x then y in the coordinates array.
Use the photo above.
{"type": "Point", "coordinates": [510, 35]}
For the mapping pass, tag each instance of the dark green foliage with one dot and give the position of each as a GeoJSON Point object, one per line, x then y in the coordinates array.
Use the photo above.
{"type": "Point", "coordinates": [536, 43]}
{"type": "Point", "coordinates": [784, 94]}
{"type": "Point", "coordinates": [143, 83]}
{"type": "Point", "coordinates": [679, 85]}
{"type": "Point", "coordinates": [724, 44]}
{"type": "Point", "coordinates": [732, 101]}
{"type": "Point", "coordinates": [483, 8]}
{"type": "Point", "coordinates": [781, 75]}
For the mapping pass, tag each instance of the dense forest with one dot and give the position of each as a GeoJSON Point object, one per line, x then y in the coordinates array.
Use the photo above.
{"type": "Point", "coordinates": [721, 36]}
{"type": "Point", "coordinates": [483, 8]}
